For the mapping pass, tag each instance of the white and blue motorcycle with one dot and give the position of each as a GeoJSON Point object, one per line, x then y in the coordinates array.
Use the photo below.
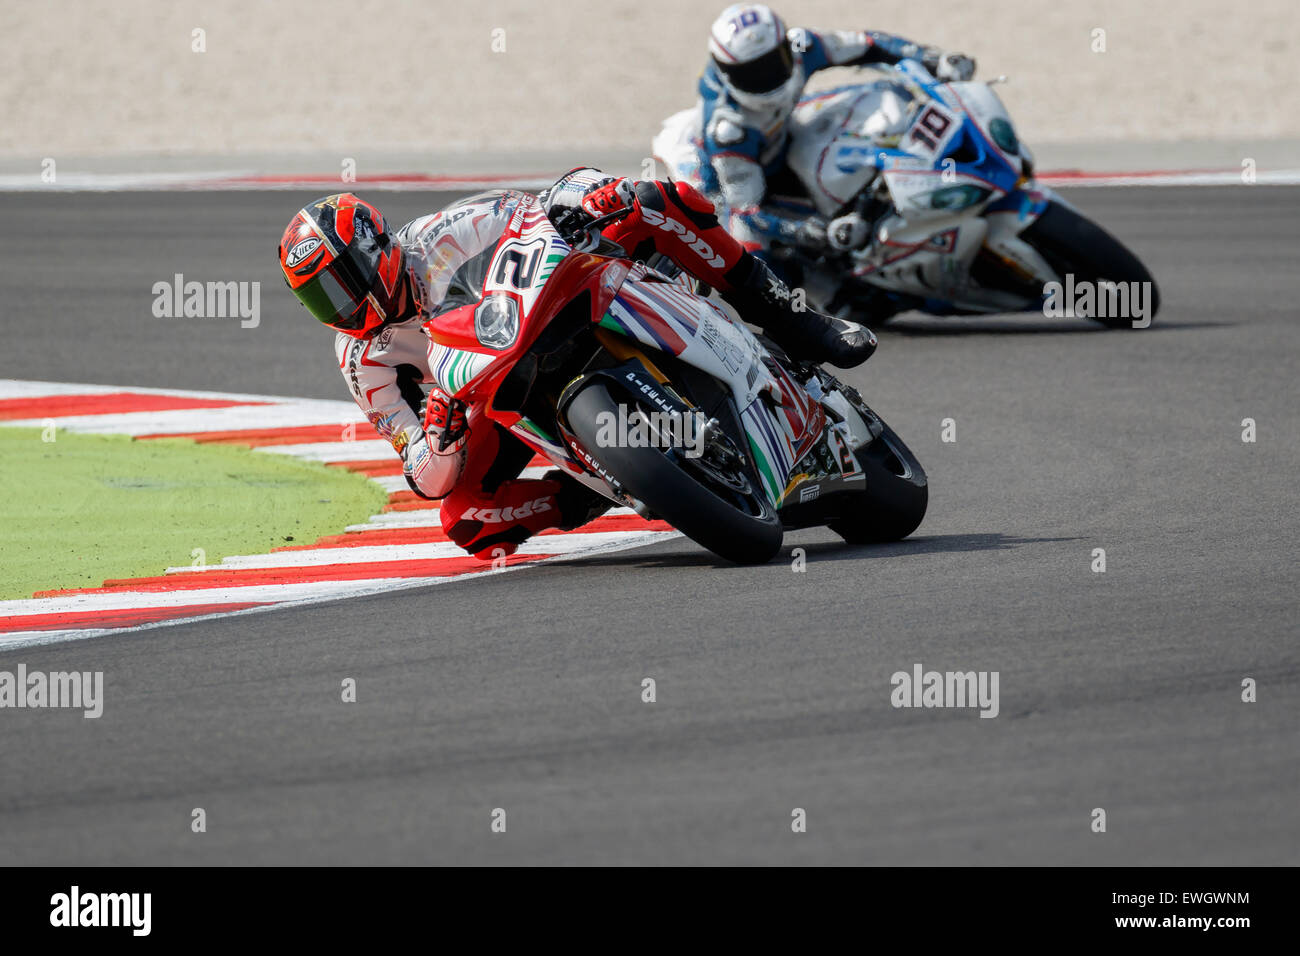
{"type": "Point", "coordinates": [959, 224]}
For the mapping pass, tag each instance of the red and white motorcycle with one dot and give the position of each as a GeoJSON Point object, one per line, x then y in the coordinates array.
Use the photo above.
{"type": "Point", "coordinates": [659, 398]}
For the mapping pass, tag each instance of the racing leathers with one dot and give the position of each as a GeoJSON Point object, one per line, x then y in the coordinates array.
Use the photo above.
{"type": "Point", "coordinates": [741, 148]}
{"type": "Point", "coordinates": [485, 507]}
{"type": "Point", "coordinates": [675, 220]}
{"type": "Point", "coordinates": [473, 467]}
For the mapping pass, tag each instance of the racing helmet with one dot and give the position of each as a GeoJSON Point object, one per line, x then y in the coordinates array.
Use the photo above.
{"type": "Point", "coordinates": [344, 266]}
{"type": "Point", "coordinates": [752, 52]}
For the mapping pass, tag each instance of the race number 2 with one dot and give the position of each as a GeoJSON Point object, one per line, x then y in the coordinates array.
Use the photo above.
{"type": "Point", "coordinates": [518, 264]}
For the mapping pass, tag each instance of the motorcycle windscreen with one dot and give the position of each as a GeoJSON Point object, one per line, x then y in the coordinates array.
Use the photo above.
{"type": "Point", "coordinates": [460, 243]}
{"type": "Point", "coordinates": [464, 286]}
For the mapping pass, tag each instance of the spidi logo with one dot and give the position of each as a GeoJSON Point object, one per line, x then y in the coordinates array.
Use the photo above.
{"type": "Point", "coordinates": [208, 300]}
{"type": "Point", "coordinates": [76, 909]}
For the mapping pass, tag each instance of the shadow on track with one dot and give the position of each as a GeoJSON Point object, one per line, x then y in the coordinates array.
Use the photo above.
{"type": "Point", "coordinates": [821, 550]}
{"type": "Point", "coordinates": [921, 544]}
{"type": "Point", "coordinates": [939, 327]}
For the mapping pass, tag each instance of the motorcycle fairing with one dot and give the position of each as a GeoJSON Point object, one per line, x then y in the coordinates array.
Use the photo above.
{"type": "Point", "coordinates": [955, 175]}
{"type": "Point", "coordinates": [780, 421]}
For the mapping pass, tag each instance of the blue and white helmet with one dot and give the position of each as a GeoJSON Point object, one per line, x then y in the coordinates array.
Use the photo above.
{"type": "Point", "coordinates": [752, 52]}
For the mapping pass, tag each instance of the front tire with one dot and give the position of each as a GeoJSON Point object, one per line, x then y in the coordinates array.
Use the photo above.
{"type": "Point", "coordinates": [1071, 243]}
{"type": "Point", "coordinates": [893, 504]}
{"type": "Point", "coordinates": [750, 536]}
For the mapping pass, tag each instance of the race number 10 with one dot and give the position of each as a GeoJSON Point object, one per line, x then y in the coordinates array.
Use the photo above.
{"type": "Point", "coordinates": [930, 128]}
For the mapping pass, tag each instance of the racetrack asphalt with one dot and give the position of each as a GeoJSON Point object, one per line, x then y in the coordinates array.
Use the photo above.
{"type": "Point", "coordinates": [523, 691]}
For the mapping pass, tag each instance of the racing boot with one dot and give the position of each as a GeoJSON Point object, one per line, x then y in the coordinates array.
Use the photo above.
{"type": "Point", "coordinates": [578, 504]}
{"type": "Point", "coordinates": [762, 298]}
{"type": "Point", "coordinates": [675, 220]}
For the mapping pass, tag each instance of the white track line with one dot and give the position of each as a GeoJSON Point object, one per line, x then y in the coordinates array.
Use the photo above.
{"type": "Point", "coordinates": [391, 483]}
{"type": "Point", "coordinates": [431, 551]}
{"type": "Point", "coordinates": [17, 639]}
{"type": "Point", "coordinates": [426, 518]}
{"type": "Point", "coordinates": [121, 599]}
{"type": "Point", "coordinates": [184, 421]}
{"type": "Point", "coordinates": [367, 449]}
{"type": "Point", "coordinates": [275, 412]}
{"type": "Point", "coordinates": [18, 388]}
{"type": "Point", "coordinates": [393, 520]}
{"type": "Point", "coordinates": [244, 181]}
{"type": "Point", "coordinates": [1276, 177]}
{"type": "Point", "coordinates": [293, 591]}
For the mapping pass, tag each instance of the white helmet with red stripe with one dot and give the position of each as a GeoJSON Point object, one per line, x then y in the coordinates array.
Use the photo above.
{"type": "Point", "coordinates": [752, 52]}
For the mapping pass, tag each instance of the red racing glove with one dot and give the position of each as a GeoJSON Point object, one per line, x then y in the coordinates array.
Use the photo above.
{"type": "Point", "coordinates": [444, 417]}
{"type": "Point", "coordinates": [610, 197]}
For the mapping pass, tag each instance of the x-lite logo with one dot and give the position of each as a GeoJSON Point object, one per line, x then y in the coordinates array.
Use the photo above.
{"type": "Point", "coordinates": [499, 515]}
{"type": "Point", "coordinates": [692, 241]}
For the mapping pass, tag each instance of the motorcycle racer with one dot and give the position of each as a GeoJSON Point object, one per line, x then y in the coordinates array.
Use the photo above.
{"type": "Point", "coordinates": [378, 289]}
{"type": "Point", "coordinates": [755, 76]}
{"type": "Point", "coordinates": [372, 286]}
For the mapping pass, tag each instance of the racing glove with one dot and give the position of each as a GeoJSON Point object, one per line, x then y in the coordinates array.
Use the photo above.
{"type": "Point", "coordinates": [950, 67]}
{"type": "Point", "coordinates": [444, 422]}
{"type": "Point", "coordinates": [848, 233]}
{"type": "Point", "coordinates": [584, 194]}
{"type": "Point", "coordinates": [432, 464]}
{"type": "Point", "coordinates": [610, 196]}
{"type": "Point", "coordinates": [571, 191]}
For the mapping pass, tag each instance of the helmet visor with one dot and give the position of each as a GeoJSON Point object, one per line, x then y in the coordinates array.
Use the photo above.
{"type": "Point", "coordinates": [337, 295]}
{"type": "Point", "coordinates": [326, 299]}
{"type": "Point", "coordinates": [762, 75]}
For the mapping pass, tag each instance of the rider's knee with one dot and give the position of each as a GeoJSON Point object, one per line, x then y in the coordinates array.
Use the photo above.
{"type": "Point", "coordinates": [693, 199]}
{"type": "Point", "coordinates": [649, 195]}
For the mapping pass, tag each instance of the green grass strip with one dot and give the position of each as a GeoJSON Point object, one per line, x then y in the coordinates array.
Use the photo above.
{"type": "Point", "coordinates": [85, 508]}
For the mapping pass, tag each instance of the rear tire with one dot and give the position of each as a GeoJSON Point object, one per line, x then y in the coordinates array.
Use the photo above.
{"type": "Point", "coordinates": [893, 504]}
{"type": "Point", "coordinates": [676, 496]}
{"type": "Point", "coordinates": [1074, 244]}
